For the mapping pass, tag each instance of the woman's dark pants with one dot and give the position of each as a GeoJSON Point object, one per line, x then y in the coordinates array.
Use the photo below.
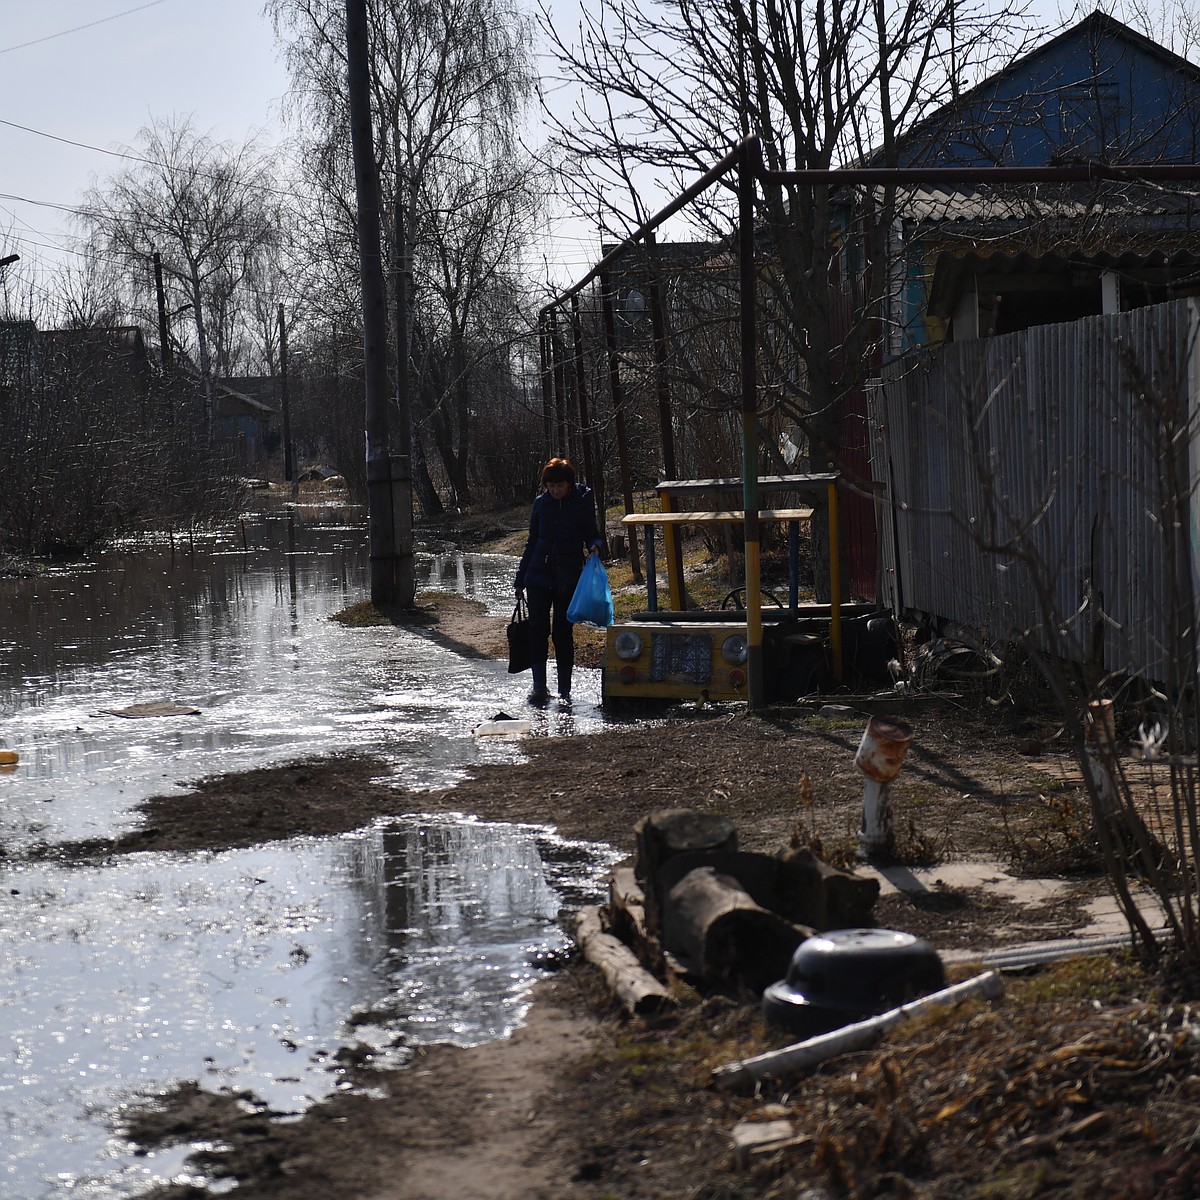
{"type": "Point", "coordinates": [541, 602]}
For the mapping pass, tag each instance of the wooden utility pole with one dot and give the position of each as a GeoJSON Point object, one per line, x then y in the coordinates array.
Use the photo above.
{"type": "Point", "coordinates": [388, 589]}
{"type": "Point", "coordinates": [164, 330]}
{"type": "Point", "coordinates": [289, 462]}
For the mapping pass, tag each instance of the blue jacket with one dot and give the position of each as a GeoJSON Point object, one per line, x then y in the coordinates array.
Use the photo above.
{"type": "Point", "coordinates": [560, 531]}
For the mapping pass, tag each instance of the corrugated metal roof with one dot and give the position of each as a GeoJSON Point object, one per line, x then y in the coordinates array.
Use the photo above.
{"type": "Point", "coordinates": [1022, 203]}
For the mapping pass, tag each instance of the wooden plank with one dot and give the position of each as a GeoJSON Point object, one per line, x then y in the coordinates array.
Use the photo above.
{"type": "Point", "coordinates": [727, 516]}
{"type": "Point", "coordinates": [766, 483]}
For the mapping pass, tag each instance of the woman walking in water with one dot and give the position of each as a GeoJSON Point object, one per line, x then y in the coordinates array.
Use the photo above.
{"type": "Point", "coordinates": [562, 530]}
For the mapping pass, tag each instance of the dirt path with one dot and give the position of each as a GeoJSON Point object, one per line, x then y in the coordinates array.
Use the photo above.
{"type": "Point", "coordinates": [579, 1104]}
{"type": "Point", "coordinates": [479, 1122]}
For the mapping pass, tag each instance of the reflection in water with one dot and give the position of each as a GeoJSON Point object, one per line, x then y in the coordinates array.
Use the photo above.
{"type": "Point", "coordinates": [469, 910]}
{"type": "Point", "coordinates": [243, 635]}
{"type": "Point", "coordinates": [245, 970]}
{"type": "Point", "coordinates": [242, 969]}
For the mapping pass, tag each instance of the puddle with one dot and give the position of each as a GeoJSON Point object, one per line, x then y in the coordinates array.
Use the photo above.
{"type": "Point", "coordinates": [245, 638]}
{"type": "Point", "coordinates": [242, 969]}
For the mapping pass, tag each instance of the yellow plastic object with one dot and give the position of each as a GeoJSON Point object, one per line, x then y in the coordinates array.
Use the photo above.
{"type": "Point", "coordinates": [9, 758]}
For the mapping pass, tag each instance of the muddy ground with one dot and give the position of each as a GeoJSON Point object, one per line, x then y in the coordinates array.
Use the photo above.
{"type": "Point", "coordinates": [1083, 1081]}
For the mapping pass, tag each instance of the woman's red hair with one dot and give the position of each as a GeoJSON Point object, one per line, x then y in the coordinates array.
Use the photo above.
{"type": "Point", "coordinates": [558, 470]}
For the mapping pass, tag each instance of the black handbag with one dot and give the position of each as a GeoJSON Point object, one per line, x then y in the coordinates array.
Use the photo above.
{"type": "Point", "coordinates": [518, 640]}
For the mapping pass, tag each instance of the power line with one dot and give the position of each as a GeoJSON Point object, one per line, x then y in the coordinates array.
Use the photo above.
{"type": "Point", "coordinates": [75, 29]}
{"type": "Point", "coordinates": [265, 189]}
{"type": "Point", "coordinates": [82, 145]}
{"type": "Point", "coordinates": [67, 208]}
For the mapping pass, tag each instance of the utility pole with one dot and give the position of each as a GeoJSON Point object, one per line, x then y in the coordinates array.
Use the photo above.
{"type": "Point", "coordinates": [386, 586]}
{"type": "Point", "coordinates": [289, 463]}
{"type": "Point", "coordinates": [164, 330]}
{"type": "Point", "coordinates": [402, 476]}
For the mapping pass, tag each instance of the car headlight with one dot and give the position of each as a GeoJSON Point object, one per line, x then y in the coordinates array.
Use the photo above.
{"type": "Point", "coordinates": [734, 649]}
{"type": "Point", "coordinates": [627, 644]}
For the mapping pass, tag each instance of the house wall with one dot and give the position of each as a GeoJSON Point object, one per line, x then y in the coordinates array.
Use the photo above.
{"type": "Point", "coordinates": [1097, 91]}
{"type": "Point", "coordinates": [1023, 475]}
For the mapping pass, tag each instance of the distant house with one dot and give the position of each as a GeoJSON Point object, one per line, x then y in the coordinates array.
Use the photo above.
{"type": "Point", "coordinates": [18, 341]}
{"type": "Point", "coordinates": [111, 355]}
{"type": "Point", "coordinates": [245, 413]}
{"type": "Point", "coordinates": [982, 261]}
{"type": "Point", "coordinates": [116, 353]}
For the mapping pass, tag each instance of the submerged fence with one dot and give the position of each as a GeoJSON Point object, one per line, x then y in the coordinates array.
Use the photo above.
{"type": "Point", "coordinates": [1042, 487]}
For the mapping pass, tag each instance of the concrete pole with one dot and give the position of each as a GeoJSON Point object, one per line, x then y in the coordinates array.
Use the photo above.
{"type": "Point", "coordinates": [385, 591]}
{"type": "Point", "coordinates": [285, 405]}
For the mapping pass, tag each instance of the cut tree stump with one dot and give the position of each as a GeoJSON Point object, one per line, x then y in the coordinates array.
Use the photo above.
{"type": "Point", "coordinates": [669, 832]}
{"type": "Point", "coordinates": [713, 925]}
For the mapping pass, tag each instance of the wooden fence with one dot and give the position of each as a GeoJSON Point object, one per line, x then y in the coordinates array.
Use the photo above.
{"type": "Point", "coordinates": [1042, 485]}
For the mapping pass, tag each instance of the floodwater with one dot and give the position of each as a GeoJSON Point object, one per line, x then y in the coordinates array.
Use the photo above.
{"type": "Point", "coordinates": [247, 969]}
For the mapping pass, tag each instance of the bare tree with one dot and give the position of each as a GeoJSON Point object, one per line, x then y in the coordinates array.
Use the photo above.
{"type": "Point", "coordinates": [665, 90]}
{"type": "Point", "coordinates": [449, 81]}
{"type": "Point", "coordinates": [210, 211]}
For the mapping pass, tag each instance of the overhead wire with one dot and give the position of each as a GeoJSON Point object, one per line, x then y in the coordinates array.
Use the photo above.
{"type": "Point", "coordinates": [77, 28]}
{"type": "Point", "coordinates": [583, 244]}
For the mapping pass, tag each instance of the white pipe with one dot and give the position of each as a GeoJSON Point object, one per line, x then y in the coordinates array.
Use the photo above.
{"type": "Point", "coordinates": [1019, 957]}
{"type": "Point", "coordinates": [859, 1036]}
{"type": "Point", "coordinates": [876, 836]}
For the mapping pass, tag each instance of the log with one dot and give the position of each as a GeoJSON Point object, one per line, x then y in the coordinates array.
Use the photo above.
{"type": "Point", "coordinates": [814, 893]}
{"type": "Point", "coordinates": [862, 1035]}
{"type": "Point", "coordinates": [714, 926]}
{"type": "Point", "coordinates": [756, 874]}
{"type": "Point", "coordinates": [627, 917]}
{"type": "Point", "coordinates": [638, 991]}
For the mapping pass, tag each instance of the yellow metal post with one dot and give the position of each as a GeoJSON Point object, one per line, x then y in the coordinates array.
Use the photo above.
{"type": "Point", "coordinates": [674, 558]}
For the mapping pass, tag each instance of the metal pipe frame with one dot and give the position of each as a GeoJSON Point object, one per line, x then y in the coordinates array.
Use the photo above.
{"type": "Point", "coordinates": [746, 159]}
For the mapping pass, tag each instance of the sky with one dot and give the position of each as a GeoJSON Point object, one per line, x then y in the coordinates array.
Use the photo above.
{"type": "Point", "coordinates": [94, 72]}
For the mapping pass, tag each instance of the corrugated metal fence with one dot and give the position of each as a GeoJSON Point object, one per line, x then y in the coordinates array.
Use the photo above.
{"type": "Point", "coordinates": [1027, 477]}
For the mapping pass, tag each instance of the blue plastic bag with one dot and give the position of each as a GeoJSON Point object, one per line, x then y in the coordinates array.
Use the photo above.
{"type": "Point", "coordinates": [592, 603]}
